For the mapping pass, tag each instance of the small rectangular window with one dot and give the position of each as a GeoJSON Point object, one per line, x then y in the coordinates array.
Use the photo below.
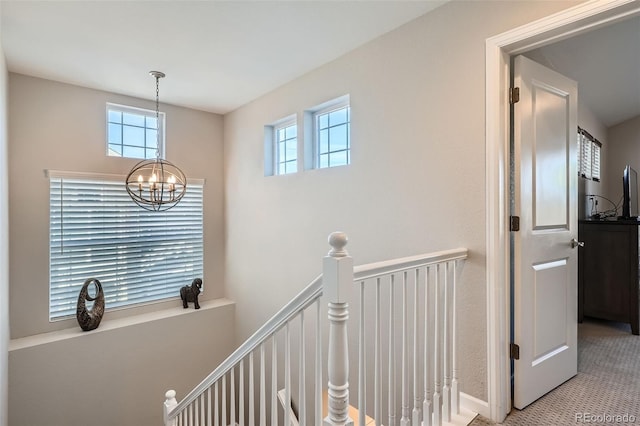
{"type": "Point", "coordinates": [286, 147]}
{"type": "Point", "coordinates": [133, 132]}
{"type": "Point", "coordinates": [281, 147]}
{"type": "Point", "coordinates": [138, 256]}
{"type": "Point", "coordinates": [588, 156]}
{"type": "Point", "coordinates": [331, 133]}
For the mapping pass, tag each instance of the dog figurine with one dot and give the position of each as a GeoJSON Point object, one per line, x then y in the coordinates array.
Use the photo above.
{"type": "Point", "coordinates": [189, 293]}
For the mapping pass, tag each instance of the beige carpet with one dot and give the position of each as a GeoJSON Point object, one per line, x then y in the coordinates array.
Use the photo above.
{"type": "Point", "coordinates": [606, 390]}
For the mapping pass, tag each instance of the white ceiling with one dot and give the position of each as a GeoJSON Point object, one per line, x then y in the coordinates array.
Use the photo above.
{"type": "Point", "coordinates": [218, 55]}
{"type": "Point", "coordinates": [606, 65]}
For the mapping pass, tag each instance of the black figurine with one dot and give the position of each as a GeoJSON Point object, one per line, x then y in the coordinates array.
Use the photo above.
{"type": "Point", "coordinates": [189, 293]}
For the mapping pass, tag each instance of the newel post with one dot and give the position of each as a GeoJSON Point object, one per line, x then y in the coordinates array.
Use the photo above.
{"type": "Point", "coordinates": [337, 276]}
{"type": "Point", "coordinates": [169, 404]}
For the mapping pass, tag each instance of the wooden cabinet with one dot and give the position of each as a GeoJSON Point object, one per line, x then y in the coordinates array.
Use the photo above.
{"type": "Point", "coordinates": [608, 271]}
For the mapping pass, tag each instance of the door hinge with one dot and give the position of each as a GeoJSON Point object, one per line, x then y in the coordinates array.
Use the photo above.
{"type": "Point", "coordinates": [514, 223]}
{"type": "Point", "coordinates": [514, 351]}
{"type": "Point", "coordinates": [514, 95]}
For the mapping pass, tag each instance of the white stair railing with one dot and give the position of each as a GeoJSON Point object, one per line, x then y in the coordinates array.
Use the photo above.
{"type": "Point", "coordinates": [417, 382]}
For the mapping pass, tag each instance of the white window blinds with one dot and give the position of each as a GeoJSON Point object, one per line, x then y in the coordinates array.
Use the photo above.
{"type": "Point", "coordinates": [139, 256]}
{"type": "Point", "coordinates": [588, 155]}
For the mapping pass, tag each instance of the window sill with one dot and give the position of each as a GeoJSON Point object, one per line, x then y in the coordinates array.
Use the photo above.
{"type": "Point", "coordinates": [108, 325]}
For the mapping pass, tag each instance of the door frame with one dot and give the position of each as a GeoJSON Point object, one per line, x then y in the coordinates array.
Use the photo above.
{"type": "Point", "coordinates": [499, 49]}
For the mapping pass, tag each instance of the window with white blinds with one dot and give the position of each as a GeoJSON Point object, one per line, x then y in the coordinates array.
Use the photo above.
{"type": "Point", "coordinates": [588, 155]}
{"type": "Point", "coordinates": [138, 256]}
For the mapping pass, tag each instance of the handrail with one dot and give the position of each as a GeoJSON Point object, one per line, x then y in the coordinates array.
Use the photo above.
{"type": "Point", "coordinates": [290, 310]}
{"type": "Point", "coordinates": [302, 301]}
{"type": "Point", "coordinates": [372, 270]}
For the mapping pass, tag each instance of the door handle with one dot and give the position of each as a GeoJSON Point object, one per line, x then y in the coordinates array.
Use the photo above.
{"type": "Point", "coordinates": [575, 243]}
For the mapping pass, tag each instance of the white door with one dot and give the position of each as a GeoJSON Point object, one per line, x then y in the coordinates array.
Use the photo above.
{"type": "Point", "coordinates": [545, 263]}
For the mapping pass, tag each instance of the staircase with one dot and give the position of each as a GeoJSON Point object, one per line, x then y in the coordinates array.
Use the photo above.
{"type": "Point", "coordinates": [405, 357]}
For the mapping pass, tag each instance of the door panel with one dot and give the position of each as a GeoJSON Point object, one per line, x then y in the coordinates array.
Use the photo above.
{"type": "Point", "coordinates": [550, 184]}
{"type": "Point", "coordinates": [545, 198]}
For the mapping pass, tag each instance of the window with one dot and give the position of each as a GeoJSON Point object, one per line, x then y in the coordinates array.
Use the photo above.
{"type": "Point", "coordinates": [332, 134]}
{"type": "Point", "coordinates": [286, 147]}
{"type": "Point", "coordinates": [133, 132]}
{"type": "Point", "coordinates": [588, 156]}
{"type": "Point", "coordinates": [138, 256]}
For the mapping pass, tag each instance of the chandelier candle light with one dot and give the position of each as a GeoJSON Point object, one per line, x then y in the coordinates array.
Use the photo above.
{"type": "Point", "coordinates": [156, 184]}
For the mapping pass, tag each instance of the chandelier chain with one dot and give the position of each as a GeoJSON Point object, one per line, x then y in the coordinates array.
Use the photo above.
{"type": "Point", "coordinates": [157, 116]}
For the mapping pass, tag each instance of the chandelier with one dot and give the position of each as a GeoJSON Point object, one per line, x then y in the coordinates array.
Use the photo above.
{"type": "Point", "coordinates": [156, 184]}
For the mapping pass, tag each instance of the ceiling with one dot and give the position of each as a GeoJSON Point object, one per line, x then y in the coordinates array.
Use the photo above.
{"type": "Point", "coordinates": [217, 55]}
{"type": "Point", "coordinates": [606, 65]}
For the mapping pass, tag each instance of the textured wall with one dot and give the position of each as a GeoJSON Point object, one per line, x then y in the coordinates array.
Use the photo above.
{"type": "Point", "coordinates": [623, 148]}
{"type": "Point", "coordinates": [417, 179]}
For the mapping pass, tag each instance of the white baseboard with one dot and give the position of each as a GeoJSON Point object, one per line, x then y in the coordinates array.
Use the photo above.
{"type": "Point", "coordinates": [474, 404]}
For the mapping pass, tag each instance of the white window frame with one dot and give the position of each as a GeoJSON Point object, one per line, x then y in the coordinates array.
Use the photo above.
{"type": "Point", "coordinates": [139, 256]}
{"type": "Point", "coordinates": [589, 156]}
{"type": "Point", "coordinates": [312, 148]}
{"type": "Point", "coordinates": [150, 146]}
{"type": "Point", "coordinates": [283, 125]}
{"type": "Point", "coordinates": [271, 154]}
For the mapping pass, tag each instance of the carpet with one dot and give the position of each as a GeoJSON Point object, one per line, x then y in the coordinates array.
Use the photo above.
{"type": "Point", "coordinates": [606, 390]}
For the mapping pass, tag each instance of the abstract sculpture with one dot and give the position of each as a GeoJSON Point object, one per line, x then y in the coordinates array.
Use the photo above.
{"type": "Point", "coordinates": [89, 319]}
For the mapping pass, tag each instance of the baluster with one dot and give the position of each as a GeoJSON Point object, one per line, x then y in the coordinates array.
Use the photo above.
{"type": "Point", "coordinates": [191, 419]}
{"type": "Point", "coordinates": [224, 401]}
{"type": "Point", "coordinates": [252, 416]}
{"type": "Point", "coordinates": [404, 420]}
{"type": "Point", "coordinates": [202, 407]}
{"type": "Point", "coordinates": [241, 394]}
{"type": "Point", "coordinates": [209, 406]}
{"type": "Point", "coordinates": [181, 418]}
{"type": "Point", "coordinates": [455, 392]}
{"type": "Point", "coordinates": [318, 381]}
{"type": "Point", "coordinates": [446, 395]}
{"type": "Point", "coordinates": [232, 391]}
{"type": "Point", "coordinates": [437, 407]}
{"type": "Point", "coordinates": [302, 414]}
{"type": "Point", "coordinates": [337, 275]}
{"type": "Point", "coordinates": [392, 356]}
{"type": "Point", "coordinates": [274, 381]}
{"type": "Point", "coordinates": [415, 415]}
{"type": "Point", "coordinates": [196, 409]}
{"type": "Point", "coordinates": [377, 382]}
{"type": "Point", "coordinates": [361, 359]}
{"type": "Point", "coordinates": [216, 403]}
{"type": "Point", "coordinates": [170, 403]}
{"type": "Point", "coordinates": [287, 376]}
{"type": "Point", "coordinates": [263, 389]}
{"type": "Point", "coordinates": [428, 385]}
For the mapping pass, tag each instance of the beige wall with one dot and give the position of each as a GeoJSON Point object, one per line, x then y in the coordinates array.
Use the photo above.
{"type": "Point", "coordinates": [4, 244]}
{"type": "Point", "coordinates": [417, 179]}
{"type": "Point", "coordinates": [116, 376]}
{"type": "Point", "coordinates": [62, 127]}
{"type": "Point", "coordinates": [624, 148]}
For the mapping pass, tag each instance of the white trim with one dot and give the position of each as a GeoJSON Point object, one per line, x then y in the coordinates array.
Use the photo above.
{"type": "Point", "coordinates": [48, 173]}
{"type": "Point", "coordinates": [567, 23]}
{"type": "Point", "coordinates": [474, 404]}
{"type": "Point", "coordinates": [113, 324]}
